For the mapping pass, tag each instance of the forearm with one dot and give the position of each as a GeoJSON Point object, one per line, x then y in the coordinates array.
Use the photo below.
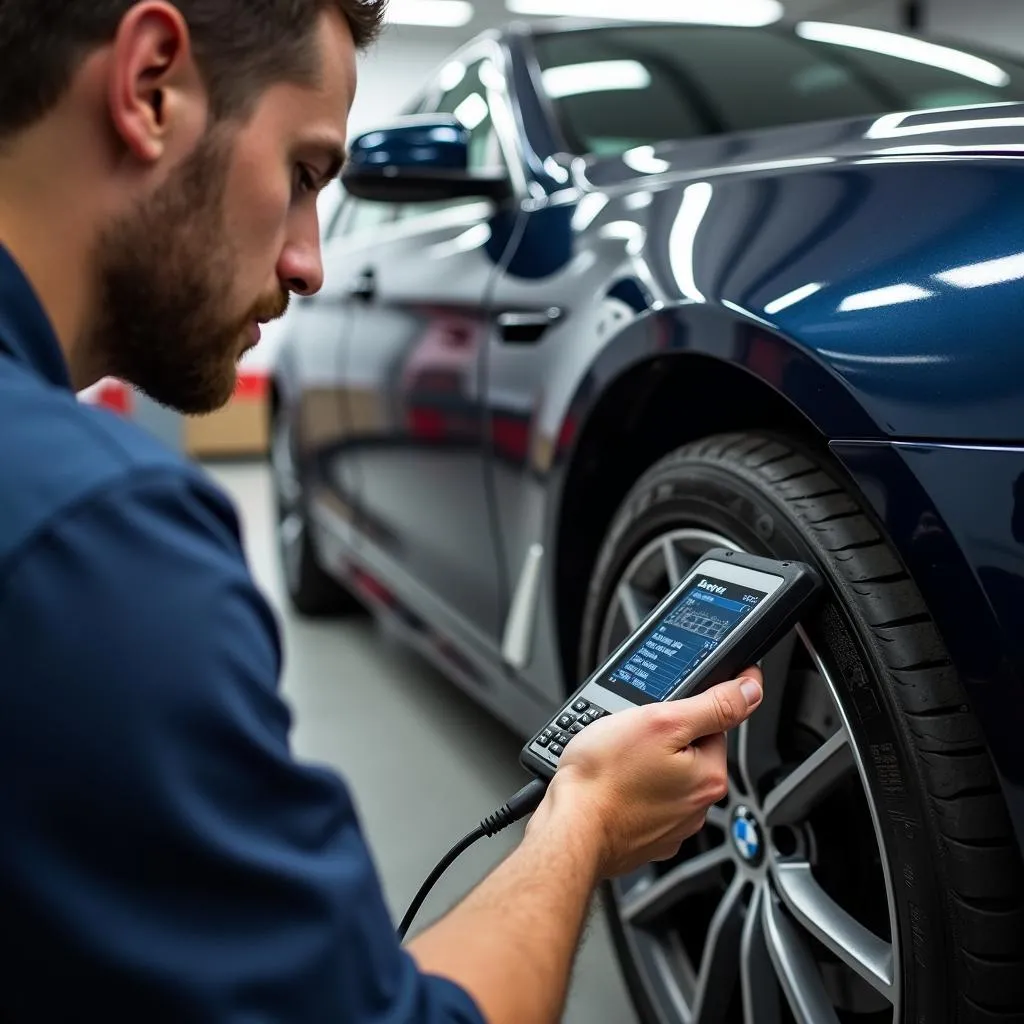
{"type": "Point", "coordinates": [510, 944]}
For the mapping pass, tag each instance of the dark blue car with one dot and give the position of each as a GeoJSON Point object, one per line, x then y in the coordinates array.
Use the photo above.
{"type": "Point", "coordinates": [610, 296]}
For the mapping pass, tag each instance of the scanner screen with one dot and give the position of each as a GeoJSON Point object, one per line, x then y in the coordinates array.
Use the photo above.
{"type": "Point", "coordinates": [683, 637]}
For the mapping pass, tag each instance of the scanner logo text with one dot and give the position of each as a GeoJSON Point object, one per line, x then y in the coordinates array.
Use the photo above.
{"type": "Point", "coordinates": [704, 585]}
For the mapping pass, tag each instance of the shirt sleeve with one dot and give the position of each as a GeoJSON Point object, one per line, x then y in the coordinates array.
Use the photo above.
{"type": "Point", "coordinates": [164, 857]}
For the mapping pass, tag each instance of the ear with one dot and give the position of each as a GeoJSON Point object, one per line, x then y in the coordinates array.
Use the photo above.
{"type": "Point", "coordinates": [155, 91]}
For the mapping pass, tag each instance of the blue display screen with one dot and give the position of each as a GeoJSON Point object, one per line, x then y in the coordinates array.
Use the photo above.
{"type": "Point", "coordinates": [684, 637]}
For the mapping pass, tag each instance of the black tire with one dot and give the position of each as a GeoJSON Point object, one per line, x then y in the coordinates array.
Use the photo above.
{"type": "Point", "coordinates": [311, 591]}
{"type": "Point", "coordinates": [956, 871]}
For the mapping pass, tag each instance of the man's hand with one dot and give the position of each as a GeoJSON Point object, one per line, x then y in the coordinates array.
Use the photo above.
{"type": "Point", "coordinates": [630, 788]}
{"type": "Point", "coordinates": [641, 781]}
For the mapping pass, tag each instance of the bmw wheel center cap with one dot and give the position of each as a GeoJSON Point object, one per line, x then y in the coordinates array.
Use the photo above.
{"type": "Point", "coordinates": [746, 835]}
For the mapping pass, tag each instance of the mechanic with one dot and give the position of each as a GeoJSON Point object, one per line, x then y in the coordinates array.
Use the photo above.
{"type": "Point", "coordinates": [163, 855]}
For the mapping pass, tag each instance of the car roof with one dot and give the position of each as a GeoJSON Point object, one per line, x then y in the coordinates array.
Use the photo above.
{"type": "Point", "coordinates": [557, 26]}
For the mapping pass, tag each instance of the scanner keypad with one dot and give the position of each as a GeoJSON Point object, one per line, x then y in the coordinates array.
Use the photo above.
{"type": "Point", "coordinates": [569, 723]}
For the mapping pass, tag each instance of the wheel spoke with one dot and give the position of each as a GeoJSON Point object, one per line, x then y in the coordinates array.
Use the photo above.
{"type": "Point", "coordinates": [857, 947]}
{"type": "Point", "coordinates": [756, 745]}
{"type": "Point", "coordinates": [758, 984]}
{"type": "Point", "coordinates": [694, 875]}
{"type": "Point", "coordinates": [717, 817]}
{"type": "Point", "coordinates": [291, 529]}
{"type": "Point", "coordinates": [720, 964]}
{"type": "Point", "coordinates": [283, 466]}
{"type": "Point", "coordinates": [672, 563]}
{"type": "Point", "coordinates": [795, 967]}
{"type": "Point", "coordinates": [799, 791]}
{"type": "Point", "coordinates": [629, 602]}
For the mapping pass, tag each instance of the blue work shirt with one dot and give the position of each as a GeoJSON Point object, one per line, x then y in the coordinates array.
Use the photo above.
{"type": "Point", "coordinates": [163, 857]}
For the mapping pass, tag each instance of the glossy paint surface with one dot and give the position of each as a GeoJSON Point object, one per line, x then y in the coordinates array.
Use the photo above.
{"type": "Point", "coordinates": [867, 275]}
{"type": "Point", "coordinates": [436, 144]}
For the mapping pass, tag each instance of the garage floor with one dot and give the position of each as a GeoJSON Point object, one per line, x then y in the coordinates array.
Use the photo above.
{"type": "Point", "coordinates": [424, 761]}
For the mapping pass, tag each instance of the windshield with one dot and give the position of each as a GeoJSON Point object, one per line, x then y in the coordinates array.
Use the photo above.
{"type": "Point", "coordinates": [614, 89]}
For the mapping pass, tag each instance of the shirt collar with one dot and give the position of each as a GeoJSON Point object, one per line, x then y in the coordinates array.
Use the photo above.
{"type": "Point", "coordinates": [25, 329]}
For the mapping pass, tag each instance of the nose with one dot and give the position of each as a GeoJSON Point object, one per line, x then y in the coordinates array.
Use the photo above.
{"type": "Point", "coordinates": [300, 268]}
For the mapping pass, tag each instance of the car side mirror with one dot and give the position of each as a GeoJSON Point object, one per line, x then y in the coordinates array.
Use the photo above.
{"type": "Point", "coordinates": [419, 159]}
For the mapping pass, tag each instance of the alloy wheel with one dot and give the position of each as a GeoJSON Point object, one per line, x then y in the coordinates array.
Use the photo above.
{"type": "Point", "coordinates": [782, 908]}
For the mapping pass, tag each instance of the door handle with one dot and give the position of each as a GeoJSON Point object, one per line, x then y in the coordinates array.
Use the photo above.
{"type": "Point", "coordinates": [528, 327]}
{"type": "Point", "coordinates": [364, 287]}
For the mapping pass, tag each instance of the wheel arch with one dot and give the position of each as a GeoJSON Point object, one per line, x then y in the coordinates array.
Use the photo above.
{"type": "Point", "coordinates": [665, 381]}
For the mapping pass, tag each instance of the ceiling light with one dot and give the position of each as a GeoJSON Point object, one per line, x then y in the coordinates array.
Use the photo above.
{"type": "Point", "coordinates": [683, 237]}
{"type": "Point", "coordinates": [978, 275]}
{"type": "Point", "coordinates": [474, 238]}
{"type": "Point", "coordinates": [588, 209]}
{"type": "Point", "coordinates": [472, 111]}
{"type": "Point", "coordinates": [627, 230]}
{"type": "Point", "coordinates": [876, 360]}
{"type": "Point", "coordinates": [893, 295]}
{"type": "Point", "coordinates": [752, 13]}
{"type": "Point", "coordinates": [792, 298]}
{"type": "Point", "coordinates": [436, 13]}
{"type": "Point", "coordinates": [892, 126]}
{"type": "Point", "coordinates": [905, 47]}
{"type": "Point", "coordinates": [596, 76]}
{"type": "Point", "coordinates": [642, 159]}
{"type": "Point", "coordinates": [451, 75]}
{"type": "Point", "coordinates": [737, 308]}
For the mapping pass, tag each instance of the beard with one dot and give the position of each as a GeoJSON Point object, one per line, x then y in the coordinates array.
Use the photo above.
{"type": "Point", "coordinates": [166, 273]}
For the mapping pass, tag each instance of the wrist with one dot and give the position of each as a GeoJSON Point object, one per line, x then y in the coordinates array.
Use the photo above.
{"type": "Point", "coordinates": [566, 818]}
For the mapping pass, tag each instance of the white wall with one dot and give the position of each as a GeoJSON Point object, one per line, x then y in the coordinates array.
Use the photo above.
{"type": "Point", "coordinates": [995, 23]}
{"type": "Point", "coordinates": [393, 72]}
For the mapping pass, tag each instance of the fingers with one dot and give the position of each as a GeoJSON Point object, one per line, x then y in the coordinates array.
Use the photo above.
{"type": "Point", "coordinates": [719, 709]}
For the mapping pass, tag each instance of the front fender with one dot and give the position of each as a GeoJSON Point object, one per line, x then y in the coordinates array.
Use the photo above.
{"type": "Point", "coordinates": [905, 278]}
{"type": "Point", "coordinates": [583, 376]}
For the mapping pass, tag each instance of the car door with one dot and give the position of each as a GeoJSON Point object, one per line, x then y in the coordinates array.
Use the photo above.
{"type": "Point", "coordinates": [417, 427]}
{"type": "Point", "coordinates": [321, 327]}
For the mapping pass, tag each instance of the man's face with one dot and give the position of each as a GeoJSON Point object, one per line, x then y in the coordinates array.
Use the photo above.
{"type": "Point", "coordinates": [188, 274]}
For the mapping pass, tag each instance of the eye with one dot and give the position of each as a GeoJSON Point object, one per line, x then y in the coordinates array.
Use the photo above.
{"type": "Point", "coordinates": [305, 179]}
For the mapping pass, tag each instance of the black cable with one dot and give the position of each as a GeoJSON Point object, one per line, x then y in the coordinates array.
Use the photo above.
{"type": "Point", "coordinates": [445, 862]}
{"type": "Point", "coordinates": [523, 803]}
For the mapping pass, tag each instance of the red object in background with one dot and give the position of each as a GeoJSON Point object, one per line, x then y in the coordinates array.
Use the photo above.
{"type": "Point", "coordinates": [117, 396]}
{"type": "Point", "coordinates": [110, 394]}
{"type": "Point", "coordinates": [510, 436]}
{"type": "Point", "coordinates": [251, 386]}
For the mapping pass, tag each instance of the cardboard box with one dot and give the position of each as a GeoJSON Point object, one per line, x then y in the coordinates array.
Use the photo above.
{"type": "Point", "coordinates": [241, 428]}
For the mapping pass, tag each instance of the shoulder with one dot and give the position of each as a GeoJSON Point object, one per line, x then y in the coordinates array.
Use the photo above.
{"type": "Point", "coordinates": [140, 553]}
{"type": "Point", "coordinates": [59, 455]}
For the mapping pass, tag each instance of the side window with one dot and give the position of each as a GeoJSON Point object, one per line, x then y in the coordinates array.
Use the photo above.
{"type": "Point", "coordinates": [468, 102]}
{"type": "Point", "coordinates": [613, 90]}
{"type": "Point", "coordinates": [466, 99]}
{"type": "Point", "coordinates": [358, 216]}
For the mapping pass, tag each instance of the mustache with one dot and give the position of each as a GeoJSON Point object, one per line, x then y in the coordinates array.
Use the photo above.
{"type": "Point", "coordinates": [270, 307]}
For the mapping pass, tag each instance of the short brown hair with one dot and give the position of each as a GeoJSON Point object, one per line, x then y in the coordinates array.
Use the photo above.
{"type": "Point", "coordinates": [241, 46]}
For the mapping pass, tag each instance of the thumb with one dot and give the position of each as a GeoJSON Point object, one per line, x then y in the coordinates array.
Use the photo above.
{"type": "Point", "coordinates": [721, 708]}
